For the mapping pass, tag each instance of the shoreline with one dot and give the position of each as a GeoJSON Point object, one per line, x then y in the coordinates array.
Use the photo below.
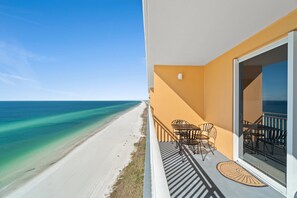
{"type": "Point", "coordinates": [130, 181]}
{"type": "Point", "coordinates": [54, 153]}
{"type": "Point", "coordinates": [80, 145]}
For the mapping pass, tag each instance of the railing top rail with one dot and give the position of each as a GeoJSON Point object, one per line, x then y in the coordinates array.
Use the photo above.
{"type": "Point", "coordinates": [158, 178]}
{"type": "Point", "coordinates": [275, 114]}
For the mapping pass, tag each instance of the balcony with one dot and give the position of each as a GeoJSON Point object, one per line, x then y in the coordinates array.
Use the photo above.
{"type": "Point", "coordinates": [167, 175]}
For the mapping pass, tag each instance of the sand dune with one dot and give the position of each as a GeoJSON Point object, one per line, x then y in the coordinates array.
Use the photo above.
{"type": "Point", "coordinates": [91, 169]}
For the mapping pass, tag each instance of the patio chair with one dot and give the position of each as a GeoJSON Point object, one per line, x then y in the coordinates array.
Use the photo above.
{"type": "Point", "coordinates": [207, 134]}
{"type": "Point", "coordinates": [205, 128]}
{"type": "Point", "coordinates": [178, 121]}
{"type": "Point", "coordinates": [274, 137]}
{"type": "Point", "coordinates": [175, 122]}
{"type": "Point", "coordinates": [247, 136]}
{"type": "Point", "coordinates": [212, 137]}
{"type": "Point", "coordinates": [180, 134]}
{"type": "Point", "coordinates": [190, 139]}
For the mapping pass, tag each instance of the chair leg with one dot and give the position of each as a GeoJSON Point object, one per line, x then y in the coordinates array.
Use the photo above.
{"type": "Point", "coordinates": [195, 148]}
{"type": "Point", "coordinates": [210, 147]}
{"type": "Point", "coordinates": [266, 152]}
{"type": "Point", "coordinates": [200, 145]}
{"type": "Point", "coordinates": [252, 145]}
{"type": "Point", "coordinates": [182, 152]}
{"type": "Point", "coordinates": [257, 146]}
{"type": "Point", "coordinates": [272, 149]}
{"type": "Point", "coordinates": [284, 149]}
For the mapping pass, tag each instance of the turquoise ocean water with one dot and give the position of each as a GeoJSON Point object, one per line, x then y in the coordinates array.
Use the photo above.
{"type": "Point", "coordinates": [34, 135]}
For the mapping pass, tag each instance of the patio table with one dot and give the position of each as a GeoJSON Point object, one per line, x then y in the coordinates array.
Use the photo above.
{"type": "Point", "coordinates": [186, 133]}
{"type": "Point", "coordinates": [258, 131]}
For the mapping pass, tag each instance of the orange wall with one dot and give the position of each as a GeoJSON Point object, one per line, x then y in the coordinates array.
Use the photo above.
{"type": "Point", "coordinates": [252, 97]}
{"type": "Point", "coordinates": [219, 72]}
{"type": "Point", "coordinates": [178, 99]}
{"type": "Point", "coordinates": [190, 88]}
{"type": "Point", "coordinates": [183, 99]}
{"type": "Point", "coordinates": [218, 81]}
{"type": "Point", "coordinates": [152, 99]}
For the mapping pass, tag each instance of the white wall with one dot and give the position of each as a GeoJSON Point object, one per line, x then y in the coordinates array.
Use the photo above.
{"type": "Point", "coordinates": [194, 32]}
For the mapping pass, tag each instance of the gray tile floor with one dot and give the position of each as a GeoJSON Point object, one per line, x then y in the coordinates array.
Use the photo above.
{"type": "Point", "coordinates": [197, 178]}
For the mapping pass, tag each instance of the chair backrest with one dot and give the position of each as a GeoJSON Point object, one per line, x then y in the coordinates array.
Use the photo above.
{"type": "Point", "coordinates": [212, 136]}
{"type": "Point", "coordinates": [178, 121]}
{"type": "Point", "coordinates": [206, 127]}
{"type": "Point", "coordinates": [192, 134]}
{"type": "Point", "coordinates": [277, 136]}
{"type": "Point", "coordinates": [213, 133]}
{"type": "Point", "coordinates": [246, 122]}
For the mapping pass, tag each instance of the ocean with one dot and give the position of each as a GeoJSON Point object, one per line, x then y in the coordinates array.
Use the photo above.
{"type": "Point", "coordinates": [275, 106]}
{"type": "Point", "coordinates": [35, 135]}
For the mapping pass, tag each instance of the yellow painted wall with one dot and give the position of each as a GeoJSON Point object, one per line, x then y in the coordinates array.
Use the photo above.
{"type": "Point", "coordinates": [218, 81]}
{"type": "Point", "coordinates": [183, 99]}
{"type": "Point", "coordinates": [152, 99]}
{"type": "Point", "coordinates": [178, 99]}
{"type": "Point", "coordinates": [252, 93]}
{"type": "Point", "coordinates": [190, 88]}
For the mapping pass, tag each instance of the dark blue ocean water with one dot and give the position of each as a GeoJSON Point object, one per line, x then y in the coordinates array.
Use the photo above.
{"type": "Point", "coordinates": [26, 127]}
{"type": "Point", "coordinates": [275, 106]}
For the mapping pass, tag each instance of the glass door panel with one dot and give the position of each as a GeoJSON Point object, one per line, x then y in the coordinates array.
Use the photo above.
{"type": "Point", "coordinates": [263, 112]}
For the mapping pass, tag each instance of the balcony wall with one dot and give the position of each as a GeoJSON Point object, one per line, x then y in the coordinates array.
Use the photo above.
{"type": "Point", "coordinates": [252, 93]}
{"type": "Point", "coordinates": [178, 99]}
{"type": "Point", "coordinates": [206, 93]}
{"type": "Point", "coordinates": [218, 81]}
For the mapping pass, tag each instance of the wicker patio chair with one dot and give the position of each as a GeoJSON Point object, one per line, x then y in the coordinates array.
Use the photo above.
{"type": "Point", "coordinates": [275, 137]}
{"type": "Point", "coordinates": [207, 130]}
{"type": "Point", "coordinates": [190, 139]}
{"type": "Point", "coordinates": [180, 134]}
{"type": "Point", "coordinates": [212, 137]}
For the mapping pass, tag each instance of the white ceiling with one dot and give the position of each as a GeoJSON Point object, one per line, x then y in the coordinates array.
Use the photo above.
{"type": "Point", "coordinates": [194, 32]}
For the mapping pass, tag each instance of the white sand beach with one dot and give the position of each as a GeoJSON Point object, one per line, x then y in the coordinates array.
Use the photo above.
{"type": "Point", "coordinates": [90, 169]}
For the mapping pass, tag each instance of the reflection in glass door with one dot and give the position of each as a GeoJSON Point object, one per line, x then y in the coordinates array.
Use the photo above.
{"type": "Point", "coordinates": [263, 112]}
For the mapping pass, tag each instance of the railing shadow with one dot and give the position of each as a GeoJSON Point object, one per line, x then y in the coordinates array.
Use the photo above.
{"type": "Point", "coordinates": [185, 177]}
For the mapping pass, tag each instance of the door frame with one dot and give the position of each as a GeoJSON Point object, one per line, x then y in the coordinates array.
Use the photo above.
{"type": "Point", "coordinates": [237, 117]}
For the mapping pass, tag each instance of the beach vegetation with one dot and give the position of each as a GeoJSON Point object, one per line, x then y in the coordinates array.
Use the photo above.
{"type": "Point", "coordinates": [130, 181]}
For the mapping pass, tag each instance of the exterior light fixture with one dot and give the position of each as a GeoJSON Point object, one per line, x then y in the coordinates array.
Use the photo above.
{"type": "Point", "coordinates": [179, 76]}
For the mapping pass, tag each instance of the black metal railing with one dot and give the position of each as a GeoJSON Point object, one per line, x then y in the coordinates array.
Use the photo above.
{"type": "Point", "coordinates": [275, 120]}
{"type": "Point", "coordinates": [162, 132]}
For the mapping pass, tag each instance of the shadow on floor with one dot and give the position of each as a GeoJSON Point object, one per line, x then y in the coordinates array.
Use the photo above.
{"type": "Point", "coordinates": [197, 178]}
{"type": "Point", "coordinates": [186, 179]}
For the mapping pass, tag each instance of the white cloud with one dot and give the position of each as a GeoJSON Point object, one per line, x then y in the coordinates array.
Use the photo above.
{"type": "Point", "coordinates": [19, 14]}
{"type": "Point", "coordinates": [6, 81]}
{"type": "Point", "coordinates": [16, 69]}
{"type": "Point", "coordinates": [10, 78]}
{"type": "Point", "coordinates": [16, 60]}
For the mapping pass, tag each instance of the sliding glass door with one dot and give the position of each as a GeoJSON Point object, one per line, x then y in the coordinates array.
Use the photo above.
{"type": "Point", "coordinates": [262, 102]}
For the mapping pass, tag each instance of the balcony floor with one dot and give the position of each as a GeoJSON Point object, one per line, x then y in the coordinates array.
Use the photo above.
{"type": "Point", "coordinates": [197, 178]}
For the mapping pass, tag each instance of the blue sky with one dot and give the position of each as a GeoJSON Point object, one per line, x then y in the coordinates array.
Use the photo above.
{"type": "Point", "coordinates": [72, 50]}
{"type": "Point", "coordinates": [275, 79]}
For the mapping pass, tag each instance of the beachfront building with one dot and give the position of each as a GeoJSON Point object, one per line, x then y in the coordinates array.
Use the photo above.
{"type": "Point", "coordinates": [230, 63]}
